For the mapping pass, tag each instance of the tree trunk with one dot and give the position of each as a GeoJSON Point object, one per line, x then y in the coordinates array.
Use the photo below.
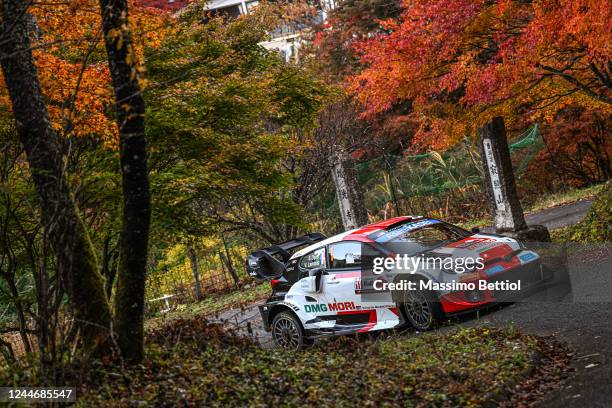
{"type": "Point", "coordinates": [23, 323]}
{"type": "Point", "coordinates": [44, 327]}
{"type": "Point", "coordinates": [193, 260]}
{"type": "Point", "coordinates": [109, 266]}
{"type": "Point", "coordinates": [7, 352]}
{"type": "Point", "coordinates": [129, 299]}
{"type": "Point", "coordinates": [499, 177]}
{"type": "Point", "coordinates": [68, 237]}
{"type": "Point", "coordinates": [228, 260]}
{"type": "Point", "coordinates": [229, 267]}
{"type": "Point", "coordinates": [348, 191]}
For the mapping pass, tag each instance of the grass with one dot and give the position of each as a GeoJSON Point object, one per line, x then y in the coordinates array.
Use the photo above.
{"type": "Point", "coordinates": [191, 363]}
{"type": "Point", "coordinates": [213, 304]}
{"type": "Point", "coordinates": [480, 222]}
{"type": "Point", "coordinates": [567, 197]}
{"type": "Point", "coordinates": [596, 225]}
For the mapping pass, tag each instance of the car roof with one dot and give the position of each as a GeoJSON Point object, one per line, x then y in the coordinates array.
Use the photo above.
{"type": "Point", "coordinates": [358, 234]}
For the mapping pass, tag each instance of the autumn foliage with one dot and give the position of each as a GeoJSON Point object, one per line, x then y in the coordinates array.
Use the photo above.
{"type": "Point", "coordinates": [72, 66]}
{"type": "Point", "coordinates": [461, 62]}
{"type": "Point", "coordinates": [579, 149]}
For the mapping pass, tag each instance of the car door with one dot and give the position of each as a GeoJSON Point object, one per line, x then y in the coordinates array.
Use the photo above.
{"type": "Point", "coordinates": [342, 286]}
{"type": "Point", "coordinates": [313, 301]}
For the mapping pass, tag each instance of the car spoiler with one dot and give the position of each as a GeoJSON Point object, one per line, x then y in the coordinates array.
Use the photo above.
{"type": "Point", "coordinates": [269, 263]}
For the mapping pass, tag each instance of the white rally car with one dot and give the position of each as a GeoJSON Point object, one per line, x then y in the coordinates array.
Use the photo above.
{"type": "Point", "coordinates": [324, 286]}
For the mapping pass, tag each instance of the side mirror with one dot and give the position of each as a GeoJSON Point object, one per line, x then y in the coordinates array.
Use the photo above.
{"type": "Point", "coordinates": [317, 274]}
{"type": "Point", "coordinates": [312, 283]}
{"type": "Point", "coordinates": [475, 230]}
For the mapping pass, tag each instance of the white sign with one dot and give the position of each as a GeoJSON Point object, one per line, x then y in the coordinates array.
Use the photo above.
{"type": "Point", "coordinates": [346, 210]}
{"type": "Point", "coordinates": [494, 175]}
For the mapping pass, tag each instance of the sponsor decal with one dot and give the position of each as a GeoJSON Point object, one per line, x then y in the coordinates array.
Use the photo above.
{"type": "Point", "coordinates": [341, 306]}
{"type": "Point", "coordinates": [403, 229]}
{"type": "Point", "coordinates": [494, 270]}
{"type": "Point", "coordinates": [529, 256]}
{"type": "Point", "coordinates": [330, 307]}
{"type": "Point", "coordinates": [503, 251]}
{"type": "Point", "coordinates": [316, 308]}
{"type": "Point", "coordinates": [474, 244]}
{"type": "Point", "coordinates": [374, 307]}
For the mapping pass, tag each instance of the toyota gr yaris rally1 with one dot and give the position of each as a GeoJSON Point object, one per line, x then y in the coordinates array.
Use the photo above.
{"type": "Point", "coordinates": [333, 286]}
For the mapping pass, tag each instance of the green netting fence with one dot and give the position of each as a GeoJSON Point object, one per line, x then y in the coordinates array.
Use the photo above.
{"type": "Point", "coordinates": [391, 178]}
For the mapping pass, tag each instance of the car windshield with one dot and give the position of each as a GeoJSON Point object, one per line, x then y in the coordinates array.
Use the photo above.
{"type": "Point", "coordinates": [417, 236]}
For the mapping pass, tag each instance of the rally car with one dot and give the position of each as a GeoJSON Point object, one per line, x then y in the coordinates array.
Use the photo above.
{"type": "Point", "coordinates": [327, 286]}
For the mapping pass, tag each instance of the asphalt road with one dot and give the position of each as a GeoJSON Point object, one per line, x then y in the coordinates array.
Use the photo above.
{"type": "Point", "coordinates": [560, 216]}
{"type": "Point", "coordinates": [582, 318]}
{"type": "Point", "coordinates": [557, 217]}
{"type": "Point", "coordinates": [579, 319]}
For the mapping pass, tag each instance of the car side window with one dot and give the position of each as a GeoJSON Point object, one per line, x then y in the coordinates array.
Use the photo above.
{"type": "Point", "coordinates": [314, 259]}
{"type": "Point", "coordinates": [352, 254]}
{"type": "Point", "coordinates": [345, 255]}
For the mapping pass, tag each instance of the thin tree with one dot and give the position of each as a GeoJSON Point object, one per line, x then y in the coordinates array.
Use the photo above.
{"type": "Point", "coordinates": [195, 270]}
{"type": "Point", "coordinates": [67, 234]}
{"type": "Point", "coordinates": [129, 299]}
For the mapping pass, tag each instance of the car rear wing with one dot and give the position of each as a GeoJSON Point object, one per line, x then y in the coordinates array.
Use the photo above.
{"type": "Point", "coordinates": [269, 263]}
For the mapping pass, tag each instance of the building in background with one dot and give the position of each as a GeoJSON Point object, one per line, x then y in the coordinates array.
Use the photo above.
{"type": "Point", "coordinates": [286, 39]}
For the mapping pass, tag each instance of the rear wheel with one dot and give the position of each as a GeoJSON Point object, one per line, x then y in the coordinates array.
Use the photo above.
{"type": "Point", "coordinates": [287, 332]}
{"type": "Point", "coordinates": [422, 309]}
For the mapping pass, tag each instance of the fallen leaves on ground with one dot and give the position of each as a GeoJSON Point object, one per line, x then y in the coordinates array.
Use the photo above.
{"type": "Point", "coordinates": [191, 362]}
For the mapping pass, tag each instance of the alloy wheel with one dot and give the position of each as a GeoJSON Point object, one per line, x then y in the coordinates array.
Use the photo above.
{"type": "Point", "coordinates": [418, 310]}
{"type": "Point", "coordinates": [286, 333]}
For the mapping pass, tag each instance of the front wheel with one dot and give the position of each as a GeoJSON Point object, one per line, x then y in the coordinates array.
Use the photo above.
{"type": "Point", "coordinates": [422, 309]}
{"type": "Point", "coordinates": [287, 332]}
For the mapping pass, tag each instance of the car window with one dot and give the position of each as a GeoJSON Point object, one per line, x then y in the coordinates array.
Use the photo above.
{"type": "Point", "coordinates": [407, 231]}
{"type": "Point", "coordinates": [422, 231]}
{"type": "Point", "coordinates": [432, 235]}
{"type": "Point", "coordinates": [314, 259]}
{"type": "Point", "coordinates": [344, 255]}
{"type": "Point", "coordinates": [436, 234]}
{"type": "Point", "coordinates": [349, 254]}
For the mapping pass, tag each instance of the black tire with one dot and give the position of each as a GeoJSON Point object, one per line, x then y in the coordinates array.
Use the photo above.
{"type": "Point", "coordinates": [287, 332]}
{"type": "Point", "coordinates": [422, 309]}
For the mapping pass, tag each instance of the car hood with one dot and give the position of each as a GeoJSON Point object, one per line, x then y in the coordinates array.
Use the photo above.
{"type": "Point", "coordinates": [487, 247]}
